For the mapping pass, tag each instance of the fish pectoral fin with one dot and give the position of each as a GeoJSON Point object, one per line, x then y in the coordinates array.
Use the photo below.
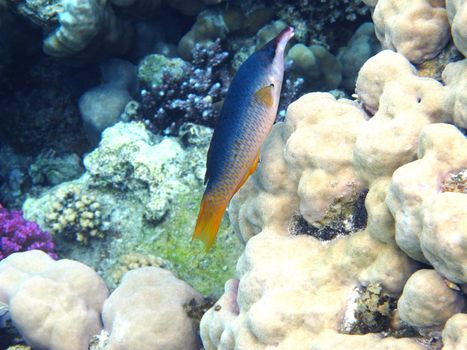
{"type": "Point", "coordinates": [248, 173]}
{"type": "Point", "coordinates": [265, 95]}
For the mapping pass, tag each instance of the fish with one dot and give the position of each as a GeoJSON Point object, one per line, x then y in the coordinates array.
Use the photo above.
{"type": "Point", "coordinates": [246, 118]}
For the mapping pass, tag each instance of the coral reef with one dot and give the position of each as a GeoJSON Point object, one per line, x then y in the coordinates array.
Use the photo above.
{"type": "Point", "coordinates": [455, 78]}
{"type": "Point", "coordinates": [133, 261]}
{"type": "Point", "coordinates": [404, 103]}
{"type": "Point", "coordinates": [317, 24]}
{"type": "Point", "coordinates": [423, 225]}
{"type": "Point", "coordinates": [51, 170]}
{"type": "Point", "coordinates": [296, 179]}
{"type": "Point", "coordinates": [417, 29]}
{"type": "Point", "coordinates": [297, 158]}
{"type": "Point", "coordinates": [318, 67]}
{"type": "Point", "coordinates": [42, 115]}
{"type": "Point", "coordinates": [18, 234]}
{"type": "Point", "coordinates": [454, 333]}
{"type": "Point", "coordinates": [353, 225]}
{"type": "Point", "coordinates": [373, 311]}
{"type": "Point", "coordinates": [124, 160]}
{"type": "Point", "coordinates": [421, 307]}
{"type": "Point", "coordinates": [87, 28]}
{"type": "Point", "coordinates": [53, 304]}
{"type": "Point", "coordinates": [457, 15]}
{"type": "Point", "coordinates": [76, 215]}
{"type": "Point", "coordinates": [102, 105]}
{"type": "Point", "coordinates": [146, 312]}
{"type": "Point", "coordinates": [362, 45]}
{"type": "Point", "coordinates": [149, 189]}
{"type": "Point", "coordinates": [191, 97]}
{"type": "Point", "coordinates": [307, 166]}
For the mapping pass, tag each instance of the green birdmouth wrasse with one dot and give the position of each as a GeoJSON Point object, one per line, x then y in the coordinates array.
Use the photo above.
{"type": "Point", "coordinates": [247, 116]}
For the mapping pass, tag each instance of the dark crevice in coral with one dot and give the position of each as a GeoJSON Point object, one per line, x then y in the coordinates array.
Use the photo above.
{"type": "Point", "coordinates": [341, 225]}
{"type": "Point", "coordinates": [374, 311]}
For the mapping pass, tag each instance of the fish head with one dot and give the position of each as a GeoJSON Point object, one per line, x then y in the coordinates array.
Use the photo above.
{"type": "Point", "coordinates": [273, 54]}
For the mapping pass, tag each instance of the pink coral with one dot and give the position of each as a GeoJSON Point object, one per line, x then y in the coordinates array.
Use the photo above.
{"type": "Point", "coordinates": [18, 234]}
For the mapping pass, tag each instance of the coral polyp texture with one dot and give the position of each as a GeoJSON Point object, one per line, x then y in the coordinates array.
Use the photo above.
{"type": "Point", "coordinates": [54, 304]}
{"type": "Point", "coordinates": [18, 234]}
{"type": "Point", "coordinates": [314, 167]}
{"type": "Point", "coordinates": [128, 313]}
{"type": "Point", "coordinates": [422, 309]}
{"type": "Point", "coordinates": [177, 92]}
{"type": "Point", "coordinates": [429, 220]}
{"type": "Point", "coordinates": [417, 29]}
{"type": "Point", "coordinates": [76, 216]}
{"type": "Point", "coordinates": [270, 305]}
{"type": "Point", "coordinates": [455, 78]}
{"type": "Point", "coordinates": [457, 14]}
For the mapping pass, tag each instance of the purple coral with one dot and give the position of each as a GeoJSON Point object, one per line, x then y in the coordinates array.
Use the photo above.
{"type": "Point", "coordinates": [18, 235]}
{"type": "Point", "coordinates": [194, 97]}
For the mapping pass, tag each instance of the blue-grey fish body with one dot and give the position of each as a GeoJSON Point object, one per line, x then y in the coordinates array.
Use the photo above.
{"type": "Point", "coordinates": [247, 116]}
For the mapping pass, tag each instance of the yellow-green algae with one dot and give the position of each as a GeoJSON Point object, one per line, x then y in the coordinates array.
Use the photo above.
{"type": "Point", "coordinates": [205, 271]}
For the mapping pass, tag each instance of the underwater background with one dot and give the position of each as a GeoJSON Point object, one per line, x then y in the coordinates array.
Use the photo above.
{"type": "Point", "coordinates": [350, 234]}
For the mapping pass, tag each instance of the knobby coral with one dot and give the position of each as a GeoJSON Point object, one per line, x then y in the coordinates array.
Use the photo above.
{"type": "Point", "coordinates": [18, 234]}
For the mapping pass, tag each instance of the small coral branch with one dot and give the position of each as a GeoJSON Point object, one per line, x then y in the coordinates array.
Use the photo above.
{"type": "Point", "coordinates": [18, 235]}
{"type": "Point", "coordinates": [194, 96]}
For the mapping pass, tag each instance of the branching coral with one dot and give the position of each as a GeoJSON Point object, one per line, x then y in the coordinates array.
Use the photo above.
{"type": "Point", "coordinates": [18, 235]}
{"type": "Point", "coordinates": [193, 97]}
{"type": "Point", "coordinates": [77, 216]}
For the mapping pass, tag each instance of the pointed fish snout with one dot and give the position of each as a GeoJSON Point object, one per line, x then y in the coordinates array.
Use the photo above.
{"type": "Point", "coordinates": [283, 38]}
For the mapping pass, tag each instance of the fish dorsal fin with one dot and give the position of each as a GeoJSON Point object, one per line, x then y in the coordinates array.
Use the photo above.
{"type": "Point", "coordinates": [265, 95]}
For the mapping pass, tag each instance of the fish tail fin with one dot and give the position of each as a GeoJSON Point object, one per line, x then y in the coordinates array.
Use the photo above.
{"type": "Point", "coordinates": [209, 219]}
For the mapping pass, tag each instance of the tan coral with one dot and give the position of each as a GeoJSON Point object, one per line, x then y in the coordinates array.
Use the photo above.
{"type": "Point", "coordinates": [87, 28]}
{"type": "Point", "coordinates": [53, 304]}
{"type": "Point", "coordinates": [146, 312]}
{"type": "Point", "coordinates": [313, 174]}
{"type": "Point", "coordinates": [303, 309]}
{"type": "Point", "coordinates": [404, 102]}
{"type": "Point", "coordinates": [420, 208]}
{"type": "Point", "coordinates": [455, 333]}
{"type": "Point", "coordinates": [455, 78]}
{"type": "Point", "coordinates": [428, 307]}
{"type": "Point", "coordinates": [417, 29]}
{"type": "Point", "coordinates": [457, 14]}
{"type": "Point", "coordinates": [294, 289]}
